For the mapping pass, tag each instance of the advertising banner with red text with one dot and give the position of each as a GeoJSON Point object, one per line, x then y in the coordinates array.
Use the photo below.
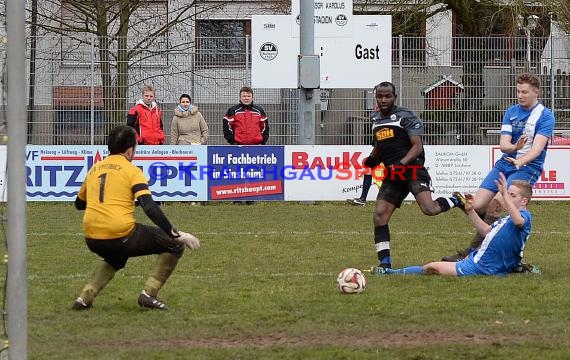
{"type": "Point", "coordinates": [554, 181]}
{"type": "Point", "coordinates": [316, 172]}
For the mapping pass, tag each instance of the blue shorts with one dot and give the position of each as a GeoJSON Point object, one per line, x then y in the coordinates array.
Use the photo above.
{"type": "Point", "coordinates": [467, 267]}
{"type": "Point", "coordinates": [526, 173]}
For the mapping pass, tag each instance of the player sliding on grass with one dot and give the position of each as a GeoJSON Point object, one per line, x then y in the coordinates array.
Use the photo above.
{"type": "Point", "coordinates": [398, 146]}
{"type": "Point", "coordinates": [525, 131]}
{"type": "Point", "coordinates": [107, 195]}
{"type": "Point", "coordinates": [503, 241]}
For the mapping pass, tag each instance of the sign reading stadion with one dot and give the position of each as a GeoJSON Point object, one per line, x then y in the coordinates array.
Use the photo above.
{"type": "Point", "coordinates": [298, 173]}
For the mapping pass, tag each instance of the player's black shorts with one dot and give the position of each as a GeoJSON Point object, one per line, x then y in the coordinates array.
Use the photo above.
{"type": "Point", "coordinates": [395, 191]}
{"type": "Point", "coordinates": [143, 240]}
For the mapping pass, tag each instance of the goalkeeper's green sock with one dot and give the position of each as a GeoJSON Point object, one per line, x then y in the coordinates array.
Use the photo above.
{"type": "Point", "coordinates": [101, 276]}
{"type": "Point", "coordinates": [165, 265]}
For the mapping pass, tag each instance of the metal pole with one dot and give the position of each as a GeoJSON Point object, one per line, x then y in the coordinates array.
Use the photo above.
{"type": "Point", "coordinates": [552, 107]}
{"type": "Point", "coordinates": [247, 65]}
{"type": "Point", "coordinates": [193, 69]}
{"type": "Point", "coordinates": [306, 111]}
{"type": "Point", "coordinates": [401, 68]}
{"type": "Point", "coordinates": [32, 83]}
{"type": "Point", "coordinates": [17, 287]}
{"type": "Point", "coordinates": [527, 30]}
{"type": "Point", "coordinates": [194, 58]}
{"type": "Point", "coordinates": [92, 105]}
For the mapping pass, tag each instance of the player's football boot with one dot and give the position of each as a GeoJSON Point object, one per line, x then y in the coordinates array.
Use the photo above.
{"type": "Point", "coordinates": [378, 270]}
{"type": "Point", "coordinates": [458, 199]}
{"type": "Point", "coordinates": [151, 302]}
{"type": "Point", "coordinates": [356, 202]}
{"type": "Point", "coordinates": [459, 255]}
{"type": "Point", "coordinates": [525, 268]}
{"type": "Point", "coordinates": [79, 304]}
{"type": "Point", "coordinates": [381, 269]}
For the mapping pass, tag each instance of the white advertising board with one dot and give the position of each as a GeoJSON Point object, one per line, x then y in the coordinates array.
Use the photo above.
{"type": "Point", "coordinates": [456, 168]}
{"type": "Point", "coordinates": [358, 61]}
{"type": "Point", "coordinates": [554, 182]}
{"type": "Point", "coordinates": [324, 172]}
{"type": "Point", "coordinates": [451, 168]}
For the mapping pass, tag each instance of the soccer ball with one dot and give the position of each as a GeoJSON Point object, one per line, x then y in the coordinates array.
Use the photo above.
{"type": "Point", "coordinates": [351, 281]}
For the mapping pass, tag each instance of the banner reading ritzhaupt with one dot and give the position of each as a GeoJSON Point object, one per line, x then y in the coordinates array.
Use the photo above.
{"type": "Point", "coordinates": [55, 173]}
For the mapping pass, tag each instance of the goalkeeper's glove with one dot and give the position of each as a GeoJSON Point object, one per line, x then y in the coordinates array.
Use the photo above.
{"type": "Point", "coordinates": [189, 240]}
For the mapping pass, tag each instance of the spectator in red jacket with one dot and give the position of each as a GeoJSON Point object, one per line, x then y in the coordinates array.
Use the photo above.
{"type": "Point", "coordinates": [246, 123]}
{"type": "Point", "coordinates": [146, 118]}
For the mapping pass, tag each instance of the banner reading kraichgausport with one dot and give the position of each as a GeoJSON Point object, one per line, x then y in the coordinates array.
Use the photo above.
{"type": "Point", "coordinates": [295, 172]}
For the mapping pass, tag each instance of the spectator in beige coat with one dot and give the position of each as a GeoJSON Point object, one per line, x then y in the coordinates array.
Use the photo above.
{"type": "Point", "coordinates": [188, 124]}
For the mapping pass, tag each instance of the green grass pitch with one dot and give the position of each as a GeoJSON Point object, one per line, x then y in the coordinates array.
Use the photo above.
{"type": "Point", "coordinates": [263, 287]}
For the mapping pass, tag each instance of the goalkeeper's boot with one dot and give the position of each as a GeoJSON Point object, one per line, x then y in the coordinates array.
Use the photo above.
{"type": "Point", "coordinates": [458, 200]}
{"type": "Point", "coordinates": [151, 302]}
{"type": "Point", "coordinates": [356, 202]}
{"type": "Point", "coordinates": [79, 304]}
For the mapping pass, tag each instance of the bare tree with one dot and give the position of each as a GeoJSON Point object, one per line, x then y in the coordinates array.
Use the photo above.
{"type": "Point", "coordinates": [112, 23]}
{"type": "Point", "coordinates": [560, 10]}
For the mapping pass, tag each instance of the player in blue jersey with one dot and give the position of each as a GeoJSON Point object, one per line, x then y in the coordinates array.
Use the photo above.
{"type": "Point", "coordinates": [503, 243]}
{"type": "Point", "coordinates": [525, 131]}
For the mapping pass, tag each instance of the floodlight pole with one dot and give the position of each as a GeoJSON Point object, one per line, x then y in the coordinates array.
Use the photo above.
{"type": "Point", "coordinates": [16, 119]}
{"type": "Point", "coordinates": [531, 22]}
{"type": "Point", "coordinates": [306, 106]}
{"type": "Point", "coordinates": [552, 39]}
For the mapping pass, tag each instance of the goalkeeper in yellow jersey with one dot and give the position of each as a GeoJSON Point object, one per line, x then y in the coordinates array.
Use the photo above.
{"type": "Point", "coordinates": [107, 195]}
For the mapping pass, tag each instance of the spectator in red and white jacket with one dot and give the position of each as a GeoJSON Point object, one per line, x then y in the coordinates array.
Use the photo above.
{"type": "Point", "coordinates": [146, 118]}
{"type": "Point", "coordinates": [246, 123]}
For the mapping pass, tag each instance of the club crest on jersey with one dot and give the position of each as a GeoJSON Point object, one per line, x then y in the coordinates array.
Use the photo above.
{"type": "Point", "coordinates": [383, 134]}
{"type": "Point", "coordinates": [393, 117]}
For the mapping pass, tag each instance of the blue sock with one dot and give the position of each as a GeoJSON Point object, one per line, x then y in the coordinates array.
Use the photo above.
{"type": "Point", "coordinates": [366, 186]}
{"type": "Point", "coordinates": [410, 270]}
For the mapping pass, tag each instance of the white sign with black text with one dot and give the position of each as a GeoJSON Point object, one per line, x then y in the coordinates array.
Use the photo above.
{"type": "Point", "coordinates": [358, 61]}
{"type": "Point", "coordinates": [332, 18]}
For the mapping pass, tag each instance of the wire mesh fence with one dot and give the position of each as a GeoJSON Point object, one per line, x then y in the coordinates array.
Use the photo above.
{"type": "Point", "coordinates": [460, 87]}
